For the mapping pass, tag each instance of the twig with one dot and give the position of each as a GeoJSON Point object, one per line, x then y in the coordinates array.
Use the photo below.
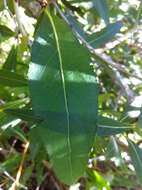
{"type": "Point", "coordinates": [10, 13]}
{"type": "Point", "coordinates": [11, 178]}
{"type": "Point", "coordinates": [20, 167]}
{"type": "Point", "coordinates": [110, 62]}
{"type": "Point", "coordinates": [18, 18]}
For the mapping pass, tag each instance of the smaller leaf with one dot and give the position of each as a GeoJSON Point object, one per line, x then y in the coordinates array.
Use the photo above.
{"type": "Point", "coordinates": [12, 163]}
{"type": "Point", "coordinates": [136, 156]}
{"type": "Point", "coordinates": [24, 114]}
{"type": "Point", "coordinates": [35, 141]}
{"type": "Point", "coordinates": [12, 79]}
{"type": "Point", "coordinates": [27, 173]}
{"type": "Point", "coordinates": [108, 127]}
{"type": "Point", "coordinates": [6, 32]}
{"type": "Point", "coordinates": [102, 8]}
{"type": "Point", "coordinates": [11, 61]}
{"type": "Point", "coordinates": [16, 131]}
{"type": "Point", "coordinates": [140, 118]}
{"type": "Point", "coordinates": [100, 38]}
{"type": "Point", "coordinates": [97, 180]}
{"type": "Point", "coordinates": [76, 26]}
{"type": "Point", "coordinates": [13, 104]}
{"type": "Point", "coordinates": [112, 149]}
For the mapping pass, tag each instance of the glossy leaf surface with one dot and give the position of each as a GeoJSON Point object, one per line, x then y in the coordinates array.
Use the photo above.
{"type": "Point", "coordinates": [64, 92]}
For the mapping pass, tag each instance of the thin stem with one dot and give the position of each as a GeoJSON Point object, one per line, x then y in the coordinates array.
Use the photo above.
{"type": "Point", "coordinates": [21, 166]}
{"type": "Point", "coordinates": [10, 13]}
{"type": "Point", "coordinates": [18, 18]}
{"type": "Point", "coordinates": [11, 178]}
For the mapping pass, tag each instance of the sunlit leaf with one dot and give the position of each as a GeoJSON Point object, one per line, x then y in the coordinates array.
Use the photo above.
{"type": "Point", "coordinates": [64, 92]}
{"type": "Point", "coordinates": [102, 8]}
{"type": "Point", "coordinates": [98, 39]}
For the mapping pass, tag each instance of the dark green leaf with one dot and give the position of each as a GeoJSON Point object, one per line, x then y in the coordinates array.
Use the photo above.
{"type": "Point", "coordinates": [100, 38]}
{"type": "Point", "coordinates": [140, 118]}
{"type": "Point", "coordinates": [12, 79]}
{"type": "Point", "coordinates": [35, 141]}
{"type": "Point", "coordinates": [11, 61]}
{"type": "Point", "coordinates": [6, 32]}
{"type": "Point", "coordinates": [136, 156]}
{"type": "Point", "coordinates": [64, 92]}
{"type": "Point", "coordinates": [24, 114]}
{"type": "Point", "coordinates": [108, 127]}
{"type": "Point", "coordinates": [16, 132]}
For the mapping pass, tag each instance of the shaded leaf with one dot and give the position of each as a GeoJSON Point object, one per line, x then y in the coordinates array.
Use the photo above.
{"type": "Point", "coordinates": [108, 127]}
{"type": "Point", "coordinates": [140, 118]}
{"type": "Point", "coordinates": [13, 104]}
{"type": "Point", "coordinates": [35, 141]}
{"type": "Point", "coordinates": [16, 132]}
{"type": "Point", "coordinates": [12, 79]}
{"type": "Point", "coordinates": [6, 32]}
{"type": "Point", "coordinates": [64, 92]}
{"type": "Point", "coordinates": [11, 61]}
{"type": "Point", "coordinates": [24, 114]}
{"type": "Point", "coordinates": [136, 156]}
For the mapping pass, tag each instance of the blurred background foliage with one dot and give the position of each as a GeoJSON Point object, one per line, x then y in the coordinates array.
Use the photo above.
{"type": "Point", "coordinates": [115, 162]}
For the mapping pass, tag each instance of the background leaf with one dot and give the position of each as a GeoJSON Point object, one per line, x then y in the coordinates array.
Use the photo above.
{"type": "Point", "coordinates": [12, 79]}
{"type": "Point", "coordinates": [98, 39]}
{"type": "Point", "coordinates": [136, 156]}
{"type": "Point", "coordinates": [102, 8]}
{"type": "Point", "coordinates": [108, 127]}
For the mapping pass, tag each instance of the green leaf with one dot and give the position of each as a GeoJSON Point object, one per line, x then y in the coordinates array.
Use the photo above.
{"type": "Point", "coordinates": [112, 149]}
{"type": "Point", "coordinates": [75, 25]}
{"type": "Point", "coordinates": [140, 118]}
{"type": "Point", "coordinates": [24, 114]}
{"type": "Point", "coordinates": [6, 32]}
{"type": "Point", "coordinates": [136, 156]}
{"type": "Point", "coordinates": [97, 180]}
{"type": "Point", "coordinates": [100, 38]}
{"type": "Point", "coordinates": [63, 90]}
{"type": "Point", "coordinates": [35, 141]}
{"type": "Point", "coordinates": [13, 104]}
{"type": "Point", "coordinates": [12, 79]}
{"type": "Point", "coordinates": [102, 8]}
{"type": "Point", "coordinates": [11, 61]}
{"type": "Point", "coordinates": [16, 132]}
{"type": "Point", "coordinates": [108, 127]}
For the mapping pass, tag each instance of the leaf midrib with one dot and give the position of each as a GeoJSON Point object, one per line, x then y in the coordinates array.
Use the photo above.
{"type": "Point", "coordinates": [63, 84]}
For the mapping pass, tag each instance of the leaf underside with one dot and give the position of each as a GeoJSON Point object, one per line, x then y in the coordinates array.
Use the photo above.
{"type": "Point", "coordinates": [64, 93]}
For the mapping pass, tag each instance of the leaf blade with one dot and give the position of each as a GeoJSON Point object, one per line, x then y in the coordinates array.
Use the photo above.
{"type": "Point", "coordinates": [102, 8]}
{"type": "Point", "coordinates": [136, 156]}
{"type": "Point", "coordinates": [61, 80]}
